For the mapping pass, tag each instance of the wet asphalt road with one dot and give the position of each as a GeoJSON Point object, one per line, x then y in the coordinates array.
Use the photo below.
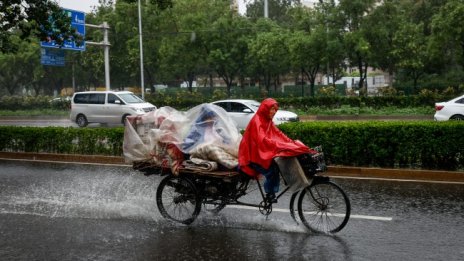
{"type": "Point", "coordinates": [55, 211]}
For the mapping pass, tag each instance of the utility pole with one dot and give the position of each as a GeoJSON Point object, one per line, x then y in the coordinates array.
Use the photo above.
{"type": "Point", "coordinates": [106, 45]}
{"type": "Point", "coordinates": [266, 9]}
{"type": "Point", "coordinates": [142, 82]}
{"type": "Point", "coordinates": [73, 78]}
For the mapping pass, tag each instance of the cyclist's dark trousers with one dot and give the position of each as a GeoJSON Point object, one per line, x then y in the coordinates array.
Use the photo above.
{"type": "Point", "coordinates": [272, 182]}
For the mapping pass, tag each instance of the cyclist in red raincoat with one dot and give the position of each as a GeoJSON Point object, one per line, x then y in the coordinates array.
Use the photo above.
{"type": "Point", "coordinates": [262, 141]}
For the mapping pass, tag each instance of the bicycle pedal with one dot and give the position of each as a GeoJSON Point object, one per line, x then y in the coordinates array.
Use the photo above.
{"type": "Point", "coordinates": [271, 198]}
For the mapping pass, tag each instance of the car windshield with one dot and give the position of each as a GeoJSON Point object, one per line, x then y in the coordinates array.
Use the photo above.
{"type": "Point", "coordinates": [130, 98]}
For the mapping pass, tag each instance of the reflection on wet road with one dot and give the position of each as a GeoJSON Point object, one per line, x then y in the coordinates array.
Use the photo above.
{"type": "Point", "coordinates": [85, 212]}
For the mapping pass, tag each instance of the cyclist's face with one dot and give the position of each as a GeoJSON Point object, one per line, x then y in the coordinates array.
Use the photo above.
{"type": "Point", "coordinates": [272, 111]}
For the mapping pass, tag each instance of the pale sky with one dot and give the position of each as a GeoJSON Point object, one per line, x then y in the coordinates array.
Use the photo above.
{"type": "Point", "coordinates": [86, 5]}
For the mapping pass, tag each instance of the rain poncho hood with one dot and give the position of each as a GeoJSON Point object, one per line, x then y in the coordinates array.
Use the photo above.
{"type": "Point", "coordinates": [262, 141]}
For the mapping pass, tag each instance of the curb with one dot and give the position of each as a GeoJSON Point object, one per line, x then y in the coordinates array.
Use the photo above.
{"type": "Point", "coordinates": [403, 174]}
{"type": "Point", "coordinates": [63, 157]}
{"type": "Point", "coordinates": [335, 171]}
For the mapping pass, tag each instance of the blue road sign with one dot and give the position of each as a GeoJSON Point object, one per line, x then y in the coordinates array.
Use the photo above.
{"type": "Point", "coordinates": [51, 56]}
{"type": "Point", "coordinates": [78, 22]}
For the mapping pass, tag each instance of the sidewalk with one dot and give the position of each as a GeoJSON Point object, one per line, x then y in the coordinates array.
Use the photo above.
{"type": "Point", "coordinates": [335, 171]}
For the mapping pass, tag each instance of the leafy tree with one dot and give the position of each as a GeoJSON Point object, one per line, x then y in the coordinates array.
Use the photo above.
{"type": "Point", "coordinates": [417, 41]}
{"type": "Point", "coordinates": [19, 69]}
{"type": "Point", "coordinates": [184, 46]}
{"type": "Point", "coordinates": [125, 47]}
{"type": "Point", "coordinates": [382, 24]}
{"type": "Point", "coordinates": [305, 54]}
{"type": "Point", "coordinates": [277, 9]}
{"type": "Point", "coordinates": [447, 32]}
{"type": "Point", "coordinates": [421, 12]}
{"type": "Point", "coordinates": [178, 59]}
{"type": "Point", "coordinates": [41, 18]}
{"type": "Point", "coordinates": [161, 4]}
{"type": "Point", "coordinates": [270, 54]}
{"type": "Point", "coordinates": [227, 47]}
{"type": "Point", "coordinates": [325, 18]}
{"type": "Point", "coordinates": [352, 15]}
{"type": "Point", "coordinates": [411, 50]}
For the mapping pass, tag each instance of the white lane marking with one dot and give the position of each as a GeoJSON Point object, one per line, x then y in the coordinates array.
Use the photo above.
{"type": "Point", "coordinates": [372, 217]}
{"type": "Point", "coordinates": [288, 211]}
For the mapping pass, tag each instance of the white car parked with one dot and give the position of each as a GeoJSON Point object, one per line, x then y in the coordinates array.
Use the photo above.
{"type": "Point", "coordinates": [241, 111]}
{"type": "Point", "coordinates": [450, 110]}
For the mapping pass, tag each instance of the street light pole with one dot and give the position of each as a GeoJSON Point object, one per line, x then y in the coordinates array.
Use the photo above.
{"type": "Point", "coordinates": [141, 52]}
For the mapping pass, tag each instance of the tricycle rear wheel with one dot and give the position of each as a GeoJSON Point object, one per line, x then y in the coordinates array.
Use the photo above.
{"type": "Point", "coordinates": [177, 199]}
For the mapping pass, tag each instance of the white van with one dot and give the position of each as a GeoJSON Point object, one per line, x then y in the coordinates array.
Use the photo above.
{"type": "Point", "coordinates": [106, 107]}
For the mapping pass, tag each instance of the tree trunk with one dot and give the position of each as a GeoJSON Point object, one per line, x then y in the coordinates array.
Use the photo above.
{"type": "Point", "coordinates": [267, 82]}
{"type": "Point", "coordinates": [151, 81]}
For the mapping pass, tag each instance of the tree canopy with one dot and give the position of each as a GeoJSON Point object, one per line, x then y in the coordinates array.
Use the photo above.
{"type": "Point", "coordinates": [43, 19]}
{"type": "Point", "coordinates": [418, 43]}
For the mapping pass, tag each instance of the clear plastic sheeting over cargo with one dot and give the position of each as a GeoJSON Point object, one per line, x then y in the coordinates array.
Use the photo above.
{"type": "Point", "coordinates": [167, 137]}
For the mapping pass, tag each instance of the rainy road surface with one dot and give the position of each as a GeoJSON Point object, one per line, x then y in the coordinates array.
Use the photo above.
{"type": "Point", "coordinates": [56, 211]}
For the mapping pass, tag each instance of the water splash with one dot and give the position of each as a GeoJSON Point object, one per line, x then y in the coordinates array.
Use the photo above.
{"type": "Point", "coordinates": [106, 194]}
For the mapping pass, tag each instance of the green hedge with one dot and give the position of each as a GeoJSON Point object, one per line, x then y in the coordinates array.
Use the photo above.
{"type": "Point", "coordinates": [86, 141]}
{"type": "Point", "coordinates": [392, 144]}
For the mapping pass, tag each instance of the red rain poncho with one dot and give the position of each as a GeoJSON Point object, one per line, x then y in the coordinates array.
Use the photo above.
{"type": "Point", "coordinates": [262, 141]}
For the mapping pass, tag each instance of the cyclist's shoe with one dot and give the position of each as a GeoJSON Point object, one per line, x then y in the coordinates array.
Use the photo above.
{"type": "Point", "coordinates": [271, 198]}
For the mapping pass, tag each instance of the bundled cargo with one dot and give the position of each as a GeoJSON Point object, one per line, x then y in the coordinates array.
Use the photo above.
{"type": "Point", "coordinates": [203, 138]}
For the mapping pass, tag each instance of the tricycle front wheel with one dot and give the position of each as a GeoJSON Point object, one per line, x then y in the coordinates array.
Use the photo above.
{"type": "Point", "coordinates": [324, 207]}
{"type": "Point", "coordinates": [177, 199]}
